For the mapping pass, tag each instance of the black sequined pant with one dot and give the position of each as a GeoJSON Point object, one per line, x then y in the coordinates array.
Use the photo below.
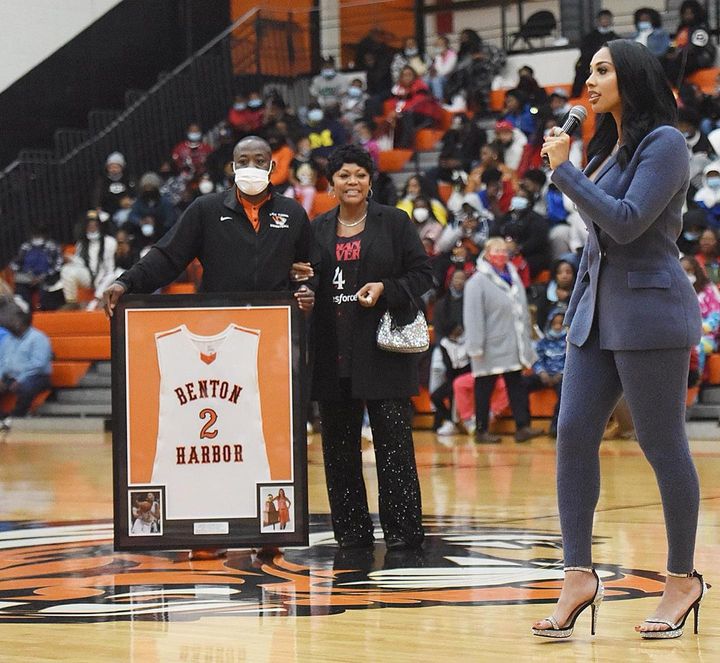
{"type": "Point", "coordinates": [398, 485]}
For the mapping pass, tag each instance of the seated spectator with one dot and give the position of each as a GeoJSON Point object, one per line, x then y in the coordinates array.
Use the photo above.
{"type": "Point", "coordinates": [544, 297]}
{"type": "Point", "coordinates": [114, 184]}
{"type": "Point", "coordinates": [478, 63]}
{"type": "Point", "coordinates": [352, 103]}
{"type": "Point", "coordinates": [303, 155]}
{"type": "Point", "coordinates": [559, 105]}
{"type": "Point", "coordinates": [709, 255]}
{"type": "Point", "coordinates": [708, 195]}
{"type": "Point", "coordinates": [497, 327]}
{"type": "Point", "coordinates": [324, 133]}
{"type": "Point", "coordinates": [305, 187]}
{"type": "Point", "coordinates": [443, 62]}
{"type": "Point", "coordinates": [518, 114]}
{"type": "Point", "coordinates": [709, 109]}
{"type": "Point", "coordinates": [126, 255]}
{"type": "Point", "coordinates": [363, 136]}
{"type": "Point", "coordinates": [550, 365]}
{"type": "Point", "coordinates": [417, 185]}
{"type": "Point", "coordinates": [282, 156]}
{"type": "Point", "coordinates": [120, 218]}
{"type": "Point", "coordinates": [428, 227]}
{"type": "Point", "coordinates": [649, 31]}
{"type": "Point", "coordinates": [694, 224]}
{"type": "Point", "coordinates": [25, 361]}
{"type": "Point", "coordinates": [328, 87]}
{"type": "Point", "coordinates": [699, 147]}
{"type": "Point", "coordinates": [496, 194]}
{"type": "Point", "coordinates": [512, 142]}
{"type": "Point", "coordinates": [152, 206]}
{"type": "Point", "coordinates": [36, 269]}
{"type": "Point", "coordinates": [174, 182]}
{"type": "Point", "coordinates": [378, 81]}
{"type": "Point", "coordinates": [693, 49]}
{"type": "Point", "coordinates": [709, 300]}
{"type": "Point", "coordinates": [589, 45]}
{"type": "Point", "coordinates": [528, 230]}
{"type": "Point", "coordinates": [461, 146]}
{"type": "Point", "coordinates": [246, 114]}
{"type": "Point", "coordinates": [415, 107]}
{"type": "Point", "coordinates": [192, 152]}
{"type": "Point", "coordinates": [449, 353]}
{"type": "Point", "coordinates": [491, 156]}
{"type": "Point", "coordinates": [470, 228]}
{"type": "Point", "coordinates": [409, 56]}
{"type": "Point", "coordinates": [93, 260]}
{"type": "Point", "coordinates": [222, 155]}
{"type": "Point", "coordinates": [530, 90]}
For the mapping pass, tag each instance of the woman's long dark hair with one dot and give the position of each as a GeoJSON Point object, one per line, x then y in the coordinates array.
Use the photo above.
{"type": "Point", "coordinates": [646, 97]}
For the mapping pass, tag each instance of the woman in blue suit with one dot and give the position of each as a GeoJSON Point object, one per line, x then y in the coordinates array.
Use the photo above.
{"type": "Point", "coordinates": [633, 318]}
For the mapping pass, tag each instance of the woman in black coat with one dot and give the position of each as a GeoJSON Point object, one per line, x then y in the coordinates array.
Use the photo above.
{"type": "Point", "coordinates": [370, 259]}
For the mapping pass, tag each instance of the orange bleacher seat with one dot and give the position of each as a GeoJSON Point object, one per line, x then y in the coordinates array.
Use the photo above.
{"type": "Point", "coordinates": [7, 401]}
{"type": "Point", "coordinates": [393, 161]}
{"type": "Point", "coordinates": [705, 79]}
{"type": "Point", "coordinates": [68, 373]}
{"type": "Point", "coordinates": [543, 277]}
{"type": "Point", "coordinates": [323, 202]}
{"type": "Point", "coordinates": [692, 396]}
{"type": "Point", "coordinates": [445, 191]}
{"type": "Point", "coordinates": [542, 402]}
{"type": "Point", "coordinates": [422, 402]}
{"type": "Point", "coordinates": [446, 119]}
{"type": "Point", "coordinates": [180, 288]}
{"type": "Point", "coordinates": [497, 99]}
{"type": "Point", "coordinates": [712, 369]}
{"type": "Point", "coordinates": [427, 139]}
{"type": "Point", "coordinates": [72, 323]}
{"type": "Point", "coordinates": [95, 348]}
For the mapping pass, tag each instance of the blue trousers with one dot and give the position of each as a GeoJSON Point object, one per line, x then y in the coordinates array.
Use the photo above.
{"type": "Point", "coordinates": [655, 384]}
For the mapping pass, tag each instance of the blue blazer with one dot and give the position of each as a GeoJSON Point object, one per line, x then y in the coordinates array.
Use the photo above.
{"type": "Point", "coordinates": [630, 276]}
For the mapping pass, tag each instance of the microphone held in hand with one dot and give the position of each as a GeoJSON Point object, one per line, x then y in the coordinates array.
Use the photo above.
{"type": "Point", "coordinates": [575, 118]}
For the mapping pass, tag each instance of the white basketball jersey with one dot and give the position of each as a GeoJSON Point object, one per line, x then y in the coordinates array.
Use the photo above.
{"type": "Point", "coordinates": [210, 448]}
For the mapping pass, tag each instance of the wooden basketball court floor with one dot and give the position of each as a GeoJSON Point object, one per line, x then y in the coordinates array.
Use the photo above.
{"type": "Point", "coordinates": [489, 568]}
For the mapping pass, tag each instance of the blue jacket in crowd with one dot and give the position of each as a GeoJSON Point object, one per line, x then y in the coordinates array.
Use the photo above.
{"type": "Point", "coordinates": [25, 357]}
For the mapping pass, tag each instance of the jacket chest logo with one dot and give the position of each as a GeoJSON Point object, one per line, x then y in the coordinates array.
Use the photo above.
{"type": "Point", "coordinates": [279, 220]}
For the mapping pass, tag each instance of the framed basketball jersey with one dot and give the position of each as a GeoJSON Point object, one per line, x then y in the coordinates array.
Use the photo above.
{"type": "Point", "coordinates": [209, 434]}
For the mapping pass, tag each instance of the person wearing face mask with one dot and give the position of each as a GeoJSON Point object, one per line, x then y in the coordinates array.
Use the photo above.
{"type": "Point", "coordinates": [150, 203]}
{"type": "Point", "coordinates": [419, 185]}
{"type": "Point", "coordinates": [93, 260]}
{"type": "Point", "coordinates": [352, 104]}
{"type": "Point", "coordinates": [409, 56]}
{"type": "Point", "coordinates": [707, 197]}
{"type": "Point", "coordinates": [590, 43]}
{"type": "Point", "coordinates": [497, 329]}
{"type": "Point", "coordinates": [694, 223]}
{"type": "Point", "coordinates": [328, 87]}
{"type": "Point", "coordinates": [36, 269]}
{"type": "Point", "coordinates": [127, 254]}
{"type": "Point", "coordinates": [324, 133]}
{"type": "Point", "coordinates": [247, 238]}
{"type": "Point", "coordinates": [700, 149]}
{"type": "Point", "coordinates": [192, 152]}
{"type": "Point", "coordinates": [245, 115]}
{"type": "Point", "coordinates": [709, 300]}
{"type": "Point", "coordinates": [528, 231]}
{"type": "Point", "coordinates": [649, 31]}
{"type": "Point", "coordinates": [442, 65]}
{"type": "Point", "coordinates": [428, 227]}
{"type": "Point", "coordinates": [114, 183]}
{"type": "Point", "coordinates": [282, 156]}
{"type": "Point", "coordinates": [692, 48]}
{"type": "Point", "coordinates": [363, 136]}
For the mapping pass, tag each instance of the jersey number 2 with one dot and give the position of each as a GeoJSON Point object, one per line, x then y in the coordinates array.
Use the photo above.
{"type": "Point", "coordinates": [211, 415]}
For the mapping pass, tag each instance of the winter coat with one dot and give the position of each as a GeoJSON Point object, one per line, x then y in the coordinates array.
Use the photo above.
{"type": "Point", "coordinates": [497, 322]}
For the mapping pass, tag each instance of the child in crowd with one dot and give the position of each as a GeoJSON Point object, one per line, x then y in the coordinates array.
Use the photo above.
{"type": "Point", "coordinates": [352, 103]}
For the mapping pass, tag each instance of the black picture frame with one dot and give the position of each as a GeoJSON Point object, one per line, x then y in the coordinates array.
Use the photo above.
{"type": "Point", "coordinates": [240, 532]}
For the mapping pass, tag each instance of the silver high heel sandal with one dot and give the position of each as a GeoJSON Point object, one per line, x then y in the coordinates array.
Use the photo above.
{"type": "Point", "coordinates": [676, 630]}
{"type": "Point", "coordinates": [566, 630]}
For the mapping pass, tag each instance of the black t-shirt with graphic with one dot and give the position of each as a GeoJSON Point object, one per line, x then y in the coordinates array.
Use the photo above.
{"type": "Point", "coordinates": [345, 282]}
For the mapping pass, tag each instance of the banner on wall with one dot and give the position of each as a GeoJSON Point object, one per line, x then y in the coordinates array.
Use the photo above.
{"type": "Point", "coordinates": [209, 436]}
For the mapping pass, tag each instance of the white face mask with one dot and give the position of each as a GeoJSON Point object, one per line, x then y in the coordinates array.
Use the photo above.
{"type": "Point", "coordinates": [37, 241]}
{"type": "Point", "coordinates": [205, 186]}
{"type": "Point", "coordinates": [251, 181]}
{"type": "Point", "coordinates": [194, 136]}
{"type": "Point", "coordinates": [519, 203]}
{"type": "Point", "coordinates": [147, 229]}
{"type": "Point", "coordinates": [315, 115]}
{"type": "Point", "coordinates": [692, 278]}
{"type": "Point", "coordinates": [93, 236]}
{"type": "Point", "coordinates": [421, 214]}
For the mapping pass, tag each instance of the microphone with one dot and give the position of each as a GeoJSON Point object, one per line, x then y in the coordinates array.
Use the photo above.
{"type": "Point", "coordinates": [576, 117]}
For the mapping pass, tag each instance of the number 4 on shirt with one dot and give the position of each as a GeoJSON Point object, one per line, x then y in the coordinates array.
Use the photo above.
{"type": "Point", "coordinates": [338, 280]}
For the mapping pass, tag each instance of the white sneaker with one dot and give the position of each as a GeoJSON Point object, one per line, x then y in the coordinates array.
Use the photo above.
{"type": "Point", "coordinates": [469, 425]}
{"type": "Point", "coordinates": [5, 424]}
{"type": "Point", "coordinates": [366, 433]}
{"type": "Point", "coordinates": [447, 428]}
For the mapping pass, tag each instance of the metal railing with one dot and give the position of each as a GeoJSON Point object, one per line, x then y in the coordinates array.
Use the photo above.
{"type": "Point", "coordinates": [54, 187]}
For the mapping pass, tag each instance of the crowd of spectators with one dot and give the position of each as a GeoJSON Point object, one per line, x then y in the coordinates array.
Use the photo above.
{"type": "Point", "coordinates": [488, 182]}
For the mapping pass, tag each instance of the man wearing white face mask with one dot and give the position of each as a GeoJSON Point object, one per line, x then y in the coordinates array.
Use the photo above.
{"type": "Point", "coordinates": [329, 86]}
{"type": "Point", "coordinates": [247, 238]}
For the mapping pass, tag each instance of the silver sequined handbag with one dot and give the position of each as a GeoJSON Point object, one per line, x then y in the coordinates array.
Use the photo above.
{"type": "Point", "coordinates": [413, 337]}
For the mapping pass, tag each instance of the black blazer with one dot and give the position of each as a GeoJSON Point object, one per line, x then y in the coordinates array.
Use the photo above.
{"type": "Point", "coordinates": [392, 253]}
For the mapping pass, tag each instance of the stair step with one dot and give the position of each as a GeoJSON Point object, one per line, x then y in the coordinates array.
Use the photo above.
{"type": "Point", "coordinates": [102, 368]}
{"type": "Point", "coordinates": [710, 396]}
{"type": "Point", "coordinates": [701, 411]}
{"type": "Point", "coordinates": [60, 425]}
{"type": "Point", "coordinates": [76, 409]}
{"type": "Point", "coordinates": [95, 380]}
{"type": "Point", "coordinates": [95, 395]}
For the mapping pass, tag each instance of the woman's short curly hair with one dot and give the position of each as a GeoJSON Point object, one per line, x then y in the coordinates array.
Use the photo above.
{"type": "Point", "coordinates": [349, 154]}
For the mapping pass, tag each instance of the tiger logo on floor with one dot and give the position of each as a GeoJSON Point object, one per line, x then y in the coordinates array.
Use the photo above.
{"type": "Point", "coordinates": [68, 572]}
